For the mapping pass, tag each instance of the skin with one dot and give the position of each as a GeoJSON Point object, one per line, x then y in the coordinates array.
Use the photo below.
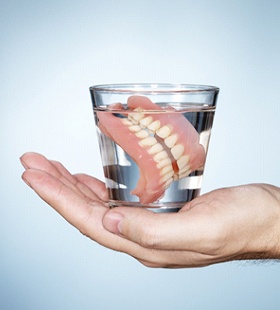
{"type": "Point", "coordinates": [227, 224]}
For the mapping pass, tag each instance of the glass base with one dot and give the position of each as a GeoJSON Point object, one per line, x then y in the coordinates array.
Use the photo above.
{"type": "Point", "coordinates": [155, 207]}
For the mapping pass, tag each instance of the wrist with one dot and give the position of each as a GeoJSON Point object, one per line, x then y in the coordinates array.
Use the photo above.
{"type": "Point", "coordinates": [273, 249]}
{"type": "Point", "coordinates": [265, 240]}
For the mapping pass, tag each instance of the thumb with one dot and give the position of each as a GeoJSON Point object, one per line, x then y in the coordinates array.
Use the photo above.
{"type": "Point", "coordinates": [149, 229]}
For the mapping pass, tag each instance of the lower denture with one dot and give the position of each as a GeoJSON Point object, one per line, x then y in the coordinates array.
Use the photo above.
{"type": "Point", "coordinates": [149, 150]}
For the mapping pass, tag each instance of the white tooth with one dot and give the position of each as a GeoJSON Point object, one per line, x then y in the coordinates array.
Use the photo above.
{"type": "Point", "coordinates": [166, 177]}
{"type": "Point", "coordinates": [154, 125]}
{"type": "Point", "coordinates": [166, 169]}
{"type": "Point", "coordinates": [163, 132]}
{"type": "Point", "coordinates": [185, 169]}
{"type": "Point", "coordinates": [183, 161]}
{"type": "Point", "coordinates": [134, 128]}
{"type": "Point", "coordinates": [161, 155]}
{"type": "Point", "coordinates": [177, 151]}
{"type": "Point", "coordinates": [142, 134]}
{"type": "Point", "coordinates": [147, 141]}
{"type": "Point", "coordinates": [185, 174]}
{"type": "Point", "coordinates": [126, 122]}
{"type": "Point", "coordinates": [139, 109]}
{"type": "Point", "coordinates": [133, 121]}
{"type": "Point", "coordinates": [156, 148]}
{"type": "Point", "coordinates": [164, 162]}
{"type": "Point", "coordinates": [171, 140]}
{"type": "Point", "coordinates": [136, 116]}
{"type": "Point", "coordinates": [146, 121]}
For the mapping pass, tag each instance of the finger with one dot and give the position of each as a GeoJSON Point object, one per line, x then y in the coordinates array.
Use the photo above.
{"type": "Point", "coordinates": [187, 230]}
{"type": "Point", "coordinates": [81, 186]}
{"type": "Point", "coordinates": [94, 185]}
{"type": "Point", "coordinates": [36, 161]}
{"type": "Point", "coordinates": [39, 162]}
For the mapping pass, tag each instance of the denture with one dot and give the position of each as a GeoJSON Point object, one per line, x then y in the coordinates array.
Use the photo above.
{"type": "Point", "coordinates": [165, 146]}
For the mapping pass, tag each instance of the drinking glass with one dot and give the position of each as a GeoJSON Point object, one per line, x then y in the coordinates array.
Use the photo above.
{"type": "Point", "coordinates": [153, 141]}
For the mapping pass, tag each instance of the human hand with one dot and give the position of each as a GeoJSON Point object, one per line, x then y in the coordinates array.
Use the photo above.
{"type": "Point", "coordinates": [226, 224]}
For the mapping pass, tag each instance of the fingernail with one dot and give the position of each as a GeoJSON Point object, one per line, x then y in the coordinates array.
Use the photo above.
{"type": "Point", "coordinates": [113, 222]}
{"type": "Point", "coordinates": [24, 164]}
{"type": "Point", "coordinates": [26, 182]}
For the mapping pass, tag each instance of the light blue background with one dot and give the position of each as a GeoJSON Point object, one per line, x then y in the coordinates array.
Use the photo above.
{"type": "Point", "coordinates": [51, 52]}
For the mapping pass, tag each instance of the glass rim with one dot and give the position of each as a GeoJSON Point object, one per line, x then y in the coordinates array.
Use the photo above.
{"type": "Point", "coordinates": [154, 88]}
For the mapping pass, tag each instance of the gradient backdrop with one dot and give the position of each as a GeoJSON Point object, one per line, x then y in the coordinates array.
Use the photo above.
{"type": "Point", "coordinates": [51, 52]}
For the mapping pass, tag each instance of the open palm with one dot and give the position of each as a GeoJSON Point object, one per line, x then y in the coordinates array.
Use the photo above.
{"type": "Point", "coordinates": [232, 223]}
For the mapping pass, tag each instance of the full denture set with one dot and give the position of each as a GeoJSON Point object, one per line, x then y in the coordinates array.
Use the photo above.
{"type": "Point", "coordinates": [165, 146]}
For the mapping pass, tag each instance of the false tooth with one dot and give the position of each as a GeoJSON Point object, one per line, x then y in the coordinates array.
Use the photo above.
{"type": "Point", "coordinates": [185, 174]}
{"type": "Point", "coordinates": [136, 116]}
{"type": "Point", "coordinates": [163, 132]}
{"type": "Point", "coordinates": [185, 169]}
{"type": "Point", "coordinates": [142, 134]}
{"type": "Point", "coordinates": [156, 148]}
{"type": "Point", "coordinates": [134, 128]}
{"type": "Point", "coordinates": [126, 121]}
{"type": "Point", "coordinates": [155, 125]}
{"type": "Point", "coordinates": [177, 151]}
{"type": "Point", "coordinates": [183, 161]}
{"type": "Point", "coordinates": [139, 109]}
{"type": "Point", "coordinates": [146, 121]}
{"type": "Point", "coordinates": [164, 162]}
{"type": "Point", "coordinates": [167, 176]}
{"type": "Point", "coordinates": [171, 140]}
{"type": "Point", "coordinates": [133, 121]}
{"type": "Point", "coordinates": [166, 169]}
{"type": "Point", "coordinates": [147, 141]}
{"type": "Point", "coordinates": [159, 156]}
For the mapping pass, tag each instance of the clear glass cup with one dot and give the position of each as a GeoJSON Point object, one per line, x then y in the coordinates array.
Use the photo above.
{"type": "Point", "coordinates": [153, 141]}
